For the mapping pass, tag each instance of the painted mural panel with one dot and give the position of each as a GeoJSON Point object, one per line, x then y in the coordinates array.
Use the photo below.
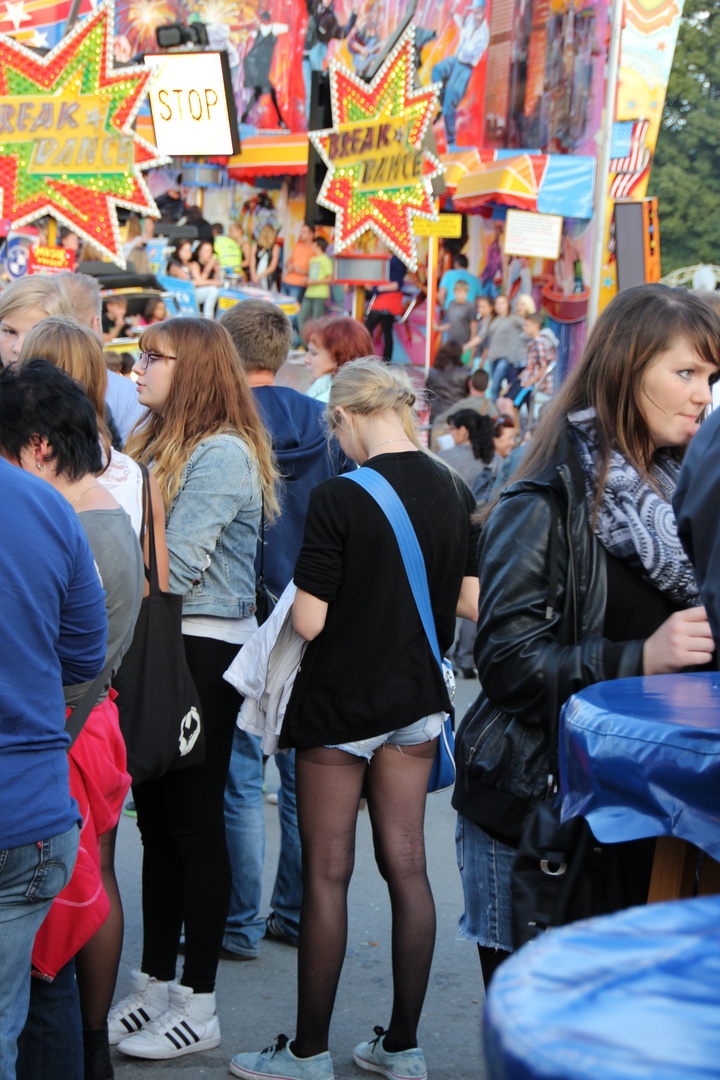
{"type": "Point", "coordinates": [514, 73]}
{"type": "Point", "coordinates": [647, 49]}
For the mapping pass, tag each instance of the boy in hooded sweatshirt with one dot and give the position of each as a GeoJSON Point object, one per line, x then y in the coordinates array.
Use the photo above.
{"type": "Point", "coordinates": [263, 335]}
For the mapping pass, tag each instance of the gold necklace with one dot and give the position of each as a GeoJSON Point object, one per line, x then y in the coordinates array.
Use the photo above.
{"type": "Point", "coordinates": [84, 492]}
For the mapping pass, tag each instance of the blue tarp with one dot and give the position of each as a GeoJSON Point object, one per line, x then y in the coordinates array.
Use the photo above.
{"type": "Point", "coordinates": [630, 996]}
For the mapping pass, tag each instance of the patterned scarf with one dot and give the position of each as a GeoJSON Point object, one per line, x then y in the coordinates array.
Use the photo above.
{"type": "Point", "coordinates": [636, 523]}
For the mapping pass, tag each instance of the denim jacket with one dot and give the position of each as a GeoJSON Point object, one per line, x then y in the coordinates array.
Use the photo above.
{"type": "Point", "coordinates": [212, 529]}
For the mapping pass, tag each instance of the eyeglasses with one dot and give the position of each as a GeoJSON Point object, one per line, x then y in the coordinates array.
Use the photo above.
{"type": "Point", "coordinates": [147, 358]}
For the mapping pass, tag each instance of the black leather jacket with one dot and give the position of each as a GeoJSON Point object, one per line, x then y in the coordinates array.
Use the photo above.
{"type": "Point", "coordinates": [543, 594]}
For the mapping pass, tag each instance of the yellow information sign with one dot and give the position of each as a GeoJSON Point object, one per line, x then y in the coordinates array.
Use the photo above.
{"type": "Point", "coordinates": [449, 226]}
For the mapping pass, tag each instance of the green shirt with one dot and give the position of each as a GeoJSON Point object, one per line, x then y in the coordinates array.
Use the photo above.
{"type": "Point", "coordinates": [228, 254]}
{"type": "Point", "coordinates": [321, 266]}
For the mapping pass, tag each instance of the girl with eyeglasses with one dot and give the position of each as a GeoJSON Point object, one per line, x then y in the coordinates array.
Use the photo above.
{"type": "Point", "coordinates": [210, 454]}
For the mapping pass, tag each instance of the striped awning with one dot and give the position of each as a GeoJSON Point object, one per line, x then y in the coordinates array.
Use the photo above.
{"type": "Point", "coordinates": [279, 154]}
{"type": "Point", "coordinates": [549, 183]}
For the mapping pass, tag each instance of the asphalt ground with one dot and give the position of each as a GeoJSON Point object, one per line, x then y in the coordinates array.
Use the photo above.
{"type": "Point", "coordinates": [257, 1000]}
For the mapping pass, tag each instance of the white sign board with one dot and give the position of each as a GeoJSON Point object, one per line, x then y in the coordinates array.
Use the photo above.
{"type": "Point", "coordinates": [534, 235]}
{"type": "Point", "coordinates": [193, 110]}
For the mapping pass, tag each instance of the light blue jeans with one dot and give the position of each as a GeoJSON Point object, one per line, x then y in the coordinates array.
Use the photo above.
{"type": "Point", "coordinates": [245, 828]}
{"type": "Point", "coordinates": [455, 77]}
{"type": "Point", "coordinates": [312, 61]}
{"type": "Point", "coordinates": [31, 876]}
{"type": "Point", "coordinates": [485, 867]}
{"type": "Point", "coordinates": [499, 370]}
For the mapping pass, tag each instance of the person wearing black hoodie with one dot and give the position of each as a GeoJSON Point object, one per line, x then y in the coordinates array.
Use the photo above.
{"type": "Point", "coordinates": [262, 335]}
{"type": "Point", "coordinates": [697, 507]}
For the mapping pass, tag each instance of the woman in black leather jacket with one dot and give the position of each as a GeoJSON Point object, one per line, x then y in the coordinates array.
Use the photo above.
{"type": "Point", "coordinates": [582, 577]}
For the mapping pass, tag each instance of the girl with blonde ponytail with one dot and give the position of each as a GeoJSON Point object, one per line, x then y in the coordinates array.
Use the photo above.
{"type": "Point", "coordinates": [367, 708]}
{"type": "Point", "coordinates": [211, 456]}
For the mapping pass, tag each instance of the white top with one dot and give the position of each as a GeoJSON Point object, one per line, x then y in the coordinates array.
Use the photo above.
{"type": "Point", "coordinates": [123, 479]}
{"type": "Point", "coordinates": [235, 631]}
{"type": "Point", "coordinates": [473, 42]}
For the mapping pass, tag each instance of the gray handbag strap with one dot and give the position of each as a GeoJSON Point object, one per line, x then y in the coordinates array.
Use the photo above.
{"type": "Point", "coordinates": [76, 720]}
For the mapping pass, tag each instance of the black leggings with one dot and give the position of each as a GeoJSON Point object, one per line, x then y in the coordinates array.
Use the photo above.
{"type": "Point", "coordinates": [386, 320]}
{"type": "Point", "coordinates": [186, 869]}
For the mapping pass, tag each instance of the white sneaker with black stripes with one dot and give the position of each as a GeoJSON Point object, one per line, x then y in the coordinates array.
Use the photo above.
{"type": "Point", "coordinates": [188, 1025]}
{"type": "Point", "coordinates": [147, 1000]}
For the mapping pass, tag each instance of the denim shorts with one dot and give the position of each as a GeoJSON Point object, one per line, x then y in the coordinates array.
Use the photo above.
{"type": "Point", "coordinates": [485, 866]}
{"type": "Point", "coordinates": [424, 730]}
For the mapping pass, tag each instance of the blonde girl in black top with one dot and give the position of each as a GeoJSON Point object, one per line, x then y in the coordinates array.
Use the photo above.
{"type": "Point", "coordinates": [366, 710]}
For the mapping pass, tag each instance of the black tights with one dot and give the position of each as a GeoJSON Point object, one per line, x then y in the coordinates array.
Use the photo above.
{"type": "Point", "coordinates": [490, 961]}
{"type": "Point", "coordinates": [386, 320]}
{"type": "Point", "coordinates": [97, 963]}
{"type": "Point", "coordinates": [186, 868]}
{"type": "Point", "coordinates": [329, 785]}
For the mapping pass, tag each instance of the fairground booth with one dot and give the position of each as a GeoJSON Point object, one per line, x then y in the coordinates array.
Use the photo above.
{"type": "Point", "coordinates": [512, 132]}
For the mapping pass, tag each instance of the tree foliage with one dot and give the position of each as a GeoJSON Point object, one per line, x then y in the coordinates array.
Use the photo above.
{"type": "Point", "coordinates": [685, 173]}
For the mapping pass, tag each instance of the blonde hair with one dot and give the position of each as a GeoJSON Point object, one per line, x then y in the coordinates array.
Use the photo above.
{"type": "Point", "coordinates": [367, 385]}
{"type": "Point", "coordinates": [75, 349]}
{"type": "Point", "coordinates": [209, 394]}
{"type": "Point", "coordinates": [134, 228]}
{"type": "Point", "coordinates": [81, 296]}
{"type": "Point", "coordinates": [527, 303]}
{"type": "Point", "coordinates": [30, 292]}
{"type": "Point", "coordinates": [266, 237]}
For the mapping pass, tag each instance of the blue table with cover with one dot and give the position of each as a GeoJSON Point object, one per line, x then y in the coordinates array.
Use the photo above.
{"type": "Point", "coordinates": [641, 757]}
{"type": "Point", "coordinates": [629, 996]}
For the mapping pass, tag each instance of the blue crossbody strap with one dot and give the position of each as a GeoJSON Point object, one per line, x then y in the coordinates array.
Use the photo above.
{"type": "Point", "coordinates": [390, 503]}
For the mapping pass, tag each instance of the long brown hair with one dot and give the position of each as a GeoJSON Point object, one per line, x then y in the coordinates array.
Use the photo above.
{"type": "Point", "coordinates": [209, 394]}
{"type": "Point", "coordinates": [76, 350]}
{"type": "Point", "coordinates": [635, 328]}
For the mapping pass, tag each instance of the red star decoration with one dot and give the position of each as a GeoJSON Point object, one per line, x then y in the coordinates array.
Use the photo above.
{"type": "Point", "coordinates": [78, 74]}
{"type": "Point", "coordinates": [392, 102]}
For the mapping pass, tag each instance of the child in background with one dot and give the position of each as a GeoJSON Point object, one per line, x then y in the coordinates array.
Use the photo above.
{"type": "Point", "coordinates": [320, 273]}
{"type": "Point", "coordinates": [485, 313]}
{"type": "Point", "coordinates": [460, 319]}
{"type": "Point", "coordinates": [155, 311]}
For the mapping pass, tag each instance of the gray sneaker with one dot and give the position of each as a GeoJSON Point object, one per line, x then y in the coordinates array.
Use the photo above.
{"type": "Point", "coordinates": [277, 1062]}
{"type": "Point", "coordinates": [404, 1065]}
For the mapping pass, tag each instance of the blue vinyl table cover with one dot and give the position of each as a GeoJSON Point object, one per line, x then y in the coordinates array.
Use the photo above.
{"type": "Point", "coordinates": [641, 757]}
{"type": "Point", "coordinates": [630, 996]}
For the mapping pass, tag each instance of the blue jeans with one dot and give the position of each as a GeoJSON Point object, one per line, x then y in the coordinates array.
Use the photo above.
{"type": "Point", "coordinates": [455, 77]}
{"type": "Point", "coordinates": [51, 1043]}
{"type": "Point", "coordinates": [485, 866]}
{"type": "Point", "coordinates": [499, 370]}
{"type": "Point", "coordinates": [245, 829]}
{"type": "Point", "coordinates": [31, 876]}
{"type": "Point", "coordinates": [312, 61]}
{"type": "Point", "coordinates": [296, 291]}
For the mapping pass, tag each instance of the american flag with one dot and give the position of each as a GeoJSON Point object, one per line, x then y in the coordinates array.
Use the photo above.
{"type": "Point", "coordinates": [629, 156]}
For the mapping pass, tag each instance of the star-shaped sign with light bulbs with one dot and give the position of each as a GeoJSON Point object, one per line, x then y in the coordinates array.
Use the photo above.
{"type": "Point", "coordinates": [379, 173]}
{"type": "Point", "coordinates": [67, 147]}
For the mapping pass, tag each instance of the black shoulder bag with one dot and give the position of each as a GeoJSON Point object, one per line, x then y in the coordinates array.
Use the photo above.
{"type": "Point", "coordinates": [158, 703]}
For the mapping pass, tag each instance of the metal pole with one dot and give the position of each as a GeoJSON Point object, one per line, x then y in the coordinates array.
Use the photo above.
{"type": "Point", "coordinates": [603, 165]}
{"type": "Point", "coordinates": [72, 17]}
{"type": "Point", "coordinates": [433, 245]}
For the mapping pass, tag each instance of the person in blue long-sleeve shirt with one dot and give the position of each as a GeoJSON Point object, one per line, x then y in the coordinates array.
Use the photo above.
{"type": "Point", "coordinates": [53, 633]}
